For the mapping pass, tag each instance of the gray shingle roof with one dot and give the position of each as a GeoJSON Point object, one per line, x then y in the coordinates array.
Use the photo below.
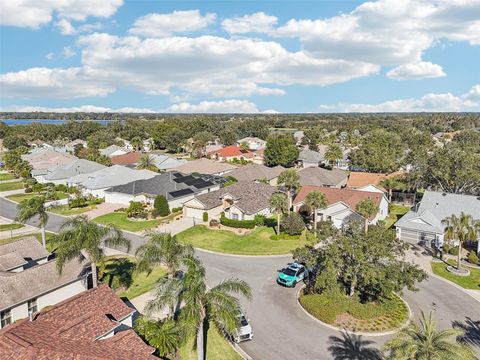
{"type": "Point", "coordinates": [10, 261]}
{"type": "Point", "coordinates": [321, 177]}
{"type": "Point", "coordinates": [310, 156]}
{"type": "Point", "coordinates": [249, 196]}
{"type": "Point", "coordinates": [254, 172]}
{"type": "Point", "coordinates": [28, 247]}
{"type": "Point", "coordinates": [80, 166]}
{"type": "Point", "coordinates": [164, 162]}
{"type": "Point", "coordinates": [205, 166]}
{"type": "Point", "coordinates": [111, 149]}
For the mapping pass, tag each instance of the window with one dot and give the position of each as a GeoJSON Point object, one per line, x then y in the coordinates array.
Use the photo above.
{"type": "Point", "coordinates": [32, 306]}
{"type": "Point", "coordinates": [6, 318]}
{"type": "Point", "coordinates": [235, 216]}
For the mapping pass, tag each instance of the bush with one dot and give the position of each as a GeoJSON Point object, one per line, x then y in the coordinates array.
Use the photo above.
{"type": "Point", "coordinates": [30, 182]}
{"type": "Point", "coordinates": [77, 203]}
{"type": "Point", "coordinates": [137, 210]}
{"type": "Point", "coordinates": [160, 206]}
{"type": "Point", "coordinates": [240, 224]}
{"type": "Point", "coordinates": [205, 216]}
{"type": "Point", "coordinates": [61, 187]}
{"type": "Point", "coordinates": [472, 258]}
{"type": "Point", "coordinates": [177, 209]}
{"type": "Point", "coordinates": [292, 224]}
{"type": "Point", "coordinates": [38, 188]}
{"type": "Point", "coordinates": [28, 190]}
{"type": "Point", "coordinates": [453, 251]}
{"type": "Point", "coordinates": [214, 222]}
{"type": "Point", "coordinates": [260, 219]}
{"type": "Point", "coordinates": [446, 248]}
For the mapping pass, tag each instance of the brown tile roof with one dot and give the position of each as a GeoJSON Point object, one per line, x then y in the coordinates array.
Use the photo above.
{"type": "Point", "coordinates": [204, 166]}
{"type": "Point", "coordinates": [358, 179]}
{"type": "Point", "coordinates": [318, 176]}
{"type": "Point", "coordinates": [126, 159]}
{"type": "Point", "coordinates": [231, 151]}
{"type": "Point", "coordinates": [71, 329]}
{"type": "Point", "coordinates": [349, 197]}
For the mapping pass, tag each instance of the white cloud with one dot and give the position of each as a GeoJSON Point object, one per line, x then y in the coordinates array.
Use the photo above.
{"type": "Point", "coordinates": [160, 25]}
{"type": "Point", "coordinates": [416, 71]}
{"type": "Point", "coordinates": [82, 108]}
{"type": "Point", "coordinates": [51, 83]}
{"type": "Point", "coordinates": [65, 27]}
{"type": "Point", "coordinates": [68, 52]}
{"type": "Point", "coordinates": [50, 56]}
{"type": "Point", "coordinates": [428, 103]}
{"type": "Point", "coordinates": [225, 106]}
{"type": "Point", "coordinates": [258, 22]}
{"type": "Point", "coordinates": [35, 13]}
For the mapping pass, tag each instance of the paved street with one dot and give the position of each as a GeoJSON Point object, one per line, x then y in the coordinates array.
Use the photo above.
{"type": "Point", "coordinates": [281, 329]}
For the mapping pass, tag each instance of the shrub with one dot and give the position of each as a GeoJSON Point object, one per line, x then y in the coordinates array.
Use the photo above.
{"type": "Point", "coordinates": [260, 219]}
{"type": "Point", "coordinates": [292, 224]}
{"type": "Point", "coordinates": [160, 206]}
{"type": "Point", "coordinates": [137, 210]}
{"type": "Point", "coordinates": [446, 248]}
{"type": "Point", "coordinates": [38, 188]}
{"type": "Point", "coordinates": [453, 251]}
{"type": "Point", "coordinates": [240, 224]}
{"type": "Point", "coordinates": [78, 202]}
{"type": "Point", "coordinates": [205, 216]}
{"type": "Point", "coordinates": [177, 209]}
{"type": "Point", "coordinates": [28, 190]}
{"type": "Point", "coordinates": [214, 222]}
{"type": "Point", "coordinates": [472, 258]}
{"type": "Point", "coordinates": [61, 187]}
{"type": "Point", "coordinates": [30, 182]}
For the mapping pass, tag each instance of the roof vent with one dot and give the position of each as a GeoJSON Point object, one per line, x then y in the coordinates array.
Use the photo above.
{"type": "Point", "coordinates": [444, 194]}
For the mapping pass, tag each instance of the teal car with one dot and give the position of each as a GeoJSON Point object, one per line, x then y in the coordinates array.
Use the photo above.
{"type": "Point", "coordinates": [291, 275]}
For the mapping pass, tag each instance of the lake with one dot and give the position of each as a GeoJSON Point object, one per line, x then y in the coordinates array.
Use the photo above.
{"type": "Point", "coordinates": [47, 121]}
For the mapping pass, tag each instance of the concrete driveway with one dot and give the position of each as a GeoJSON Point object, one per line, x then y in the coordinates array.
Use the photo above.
{"type": "Point", "coordinates": [176, 226]}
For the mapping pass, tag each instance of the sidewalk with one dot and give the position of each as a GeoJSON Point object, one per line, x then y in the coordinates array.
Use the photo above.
{"type": "Point", "coordinates": [12, 192]}
{"type": "Point", "coordinates": [26, 230]}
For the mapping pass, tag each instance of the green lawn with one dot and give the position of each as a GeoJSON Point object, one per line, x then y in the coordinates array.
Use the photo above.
{"type": "Point", "coordinates": [120, 220]}
{"type": "Point", "coordinates": [7, 227]}
{"type": "Point", "coordinates": [468, 282]}
{"type": "Point", "coordinates": [11, 186]}
{"type": "Point", "coordinates": [20, 197]}
{"type": "Point", "coordinates": [6, 176]}
{"type": "Point", "coordinates": [218, 348]}
{"type": "Point", "coordinates": [258, 242]}
{"type": "Point", "coordinates": [395, 213]}
{"type": "Point", "coordinates": [119, 274]}
{"type": "Point", "coordinates": [344, 312]}
{"type": "Point", "coordinates": [66, 211]}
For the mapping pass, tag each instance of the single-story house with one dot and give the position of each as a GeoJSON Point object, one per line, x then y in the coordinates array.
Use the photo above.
{"type": "Point", "coordinates": [47, 159]}
{"type": "Point", "coordinates": [318, 176]}
{"type": "Point", "coordinates": [97, 182]}
{"type": "Point", "coordinates": [164, 162]}
{"type": "Point", "coordinates": [240, 201]}
{"type": "Point", "coordinates": [60, 174]}
{"type": "Point", "coordinates": [343, 163]}
{"type": "Point", "coordinates": [358, 179]}
{"type": "Point", "coordinates": [70, 146]}
{"type": "Point", "coordinates": [424, 225]}
{"type": "Point", "coordinates": [309, 158]}
{"type": "Point", "coordinates": [40, 144]}
{"type": "Point", "coordinates": [205, 166]}
{"type": "Point", "coordinates": [253, 143]}
{"type": "Point", "coordinates": [342, 204]}
{"type": "Point", "coordinates": [256, 172]}
{"type": "Point", "coordinates": [298, 136]}
{"type": "Point", "coordinates": [176, 187]}
{"type": "Point", "coordinates": [231, 152]}
{"type": "Point", "coordinates": [30, 282]}
{"type": "Point", "coordinates": [94, 324]}
{"type": "Point", "coordinates": [113, 150]}
{"type": "Point", "coordinates": [129, 159]}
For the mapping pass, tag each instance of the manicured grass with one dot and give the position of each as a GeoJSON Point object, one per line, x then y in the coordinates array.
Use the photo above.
{"type": "Point", "coordinates": [468, 282]}
{"type": "Point", "coordinates": [21, 197]}
{"type": "Point", "coordinates": [11, 186]}
{"type": "Point", "coordinates": [258, 242]}
{"type": "Point", "coordinates": [120, 220]}
{"type": "Point", "coordinates": [119, 274]}
{"type": "Point", "coordinates": [6, 176]}
{"type": "Point", "coordinates": [344, 312]}
{"type": "Point", "coordinates": [66, 211]}
{"type": "Point", "coordinates": [396, 211]}
{"type": "Point", "coordinates": [218, 348]}
{"type": "Point", "coordinates": [8, 227]}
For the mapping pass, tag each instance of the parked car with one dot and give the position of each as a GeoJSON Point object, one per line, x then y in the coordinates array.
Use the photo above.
{"type": "Point", "coordinates": [244, 332]}
{"type": "Point", "coordinates": [292, 274]}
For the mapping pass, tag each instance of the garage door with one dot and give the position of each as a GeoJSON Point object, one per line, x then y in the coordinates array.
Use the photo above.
{"type": "Point", "coordinates": [416, 237]}
{"type": "Point", "coordinates": [193, 213]}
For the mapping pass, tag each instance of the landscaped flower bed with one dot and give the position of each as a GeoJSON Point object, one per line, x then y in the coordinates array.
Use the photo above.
{"type": "Point", "coordinates": [349, 313]}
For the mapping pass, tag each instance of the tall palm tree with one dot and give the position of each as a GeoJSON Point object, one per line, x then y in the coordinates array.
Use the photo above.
{"type": "Point", "coordinates": [389, 184]}
{"type": "Point", "coordinates": [424, 342]}
{"type": "Point", "coordinates": [166, 336]}
{"type": "Point", "coordinates": [290, 181]}
{"type": "Point", "coordinates": [367, 208]}
{"type": "Point", "coordinates": [333, 154]}
{"type": "Point", "coordinates": [147, 162]}
{"type": "Point", "coordinates": [30, 208]}
{"type": "Point", "coordinates": [315, 201]}
{"type": "Point", "coordinates": [137, 143]}
{"type": "Point", "coordinates": [80, 235]}
{"type": "Point", "coordinates": [279, 204]}
{"type": "Point", "coordinates": [461, 228]}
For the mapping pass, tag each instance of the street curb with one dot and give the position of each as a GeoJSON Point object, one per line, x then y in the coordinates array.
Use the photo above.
{"type": "Point", "coordinates": [240, 256]}
{"type": "Point", "coordinates": [465, 291]}
{"type": "Point", "coordinates": [358, 333]}
{"type": "Point", "coordinates": [240, 351]}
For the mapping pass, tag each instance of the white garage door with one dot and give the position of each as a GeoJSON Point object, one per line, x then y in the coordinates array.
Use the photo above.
{"type": "Point", "coordinates": [194, 213]}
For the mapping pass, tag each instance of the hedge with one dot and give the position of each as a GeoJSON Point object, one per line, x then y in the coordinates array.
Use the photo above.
{"type": "Point", "coordinates": [205, 216]}
{"type": "Point", "coordinates": [241, 224]}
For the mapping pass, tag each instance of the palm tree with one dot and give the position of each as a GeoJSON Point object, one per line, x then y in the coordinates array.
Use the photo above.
{"type": "Point", "coordinates": [424, 342]}
{"type": "Point", "coordinates": [333, 154]}
{"type": "Point", "coordinates": [147, 162]}
{"type": "Point", "coordinates": [461, 228]}
{"type": "Point", "coordinates": [316, 200]}
{"type": "Point", "coordinates": [137, 143]}
{"type": "Point", "coordinates": [80, 235]}
{"type": "Point", "coordinates": [166, 336]}
{"type": "Point", "coordinates": [389, 184]}
{"type": "Point", "coordinates": [30, 208]}
{"type": "Point", "coordinates": [290, 180]}
{"type": "Point", "coordinates": [367, 208]}
{"type": "Point", "coordinates": [279, 204]}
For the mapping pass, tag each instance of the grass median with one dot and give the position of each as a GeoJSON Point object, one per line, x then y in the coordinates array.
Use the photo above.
{"type": "Point", "coordinates": [471, 281]}
{"type": "Point", "coordinates": [9, 186]}
{"type": "Point", "coordinates": [120, 220]}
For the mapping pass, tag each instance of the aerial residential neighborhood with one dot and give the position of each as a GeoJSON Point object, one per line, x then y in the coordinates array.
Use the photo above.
{"type": "Point", "coordinates": [239, 180]}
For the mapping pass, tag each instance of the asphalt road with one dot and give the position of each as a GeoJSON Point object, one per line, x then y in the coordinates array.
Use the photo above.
{"type": "Point", "coordinates": [283, 331]}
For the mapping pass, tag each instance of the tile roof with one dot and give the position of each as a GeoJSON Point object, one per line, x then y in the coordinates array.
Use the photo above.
{"type": "Point", "coordinates": [231, 151]}
{"type": "Point", "coordinates": [48, 159]}
{"type": "Point", "coordinates": [318, 176]}
{"type": "Point", "coordinates": [249, 196]}
{"type": "Point", "coordinates": [126, 159]}
{"type": "Point", "coordinates": [27, 247]}
{"type": "Point", "coordinates": [358, 179]}
{"type": "Point", "coordinates": [349, 197]}
{"type": "Point", "coordinates": [252, 172]}
{"type": "Point", "coordinates": [204, 166]}
{"type": "Point", "coordinates": [72, 330]}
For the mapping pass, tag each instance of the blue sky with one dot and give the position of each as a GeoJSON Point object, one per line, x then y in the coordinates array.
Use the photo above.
{"type": "Point", "coordinates": [240, 56]}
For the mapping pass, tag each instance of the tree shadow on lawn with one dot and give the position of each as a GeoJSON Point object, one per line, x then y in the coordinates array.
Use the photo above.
{"type": "Point", "coordinates": [353, 347]}
{"type": "Point", "coordinates": [472, 331]}
{"type": "Point", "coordinates": [119, 273]}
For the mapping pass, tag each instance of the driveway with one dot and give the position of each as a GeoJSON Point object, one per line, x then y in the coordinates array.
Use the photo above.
{"type": "Point", "coordinates": [176, 226]}
{"type": "Point", "coordinates": [102, 209]}
{"type": "Point", "coordinates": [283, 331]}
